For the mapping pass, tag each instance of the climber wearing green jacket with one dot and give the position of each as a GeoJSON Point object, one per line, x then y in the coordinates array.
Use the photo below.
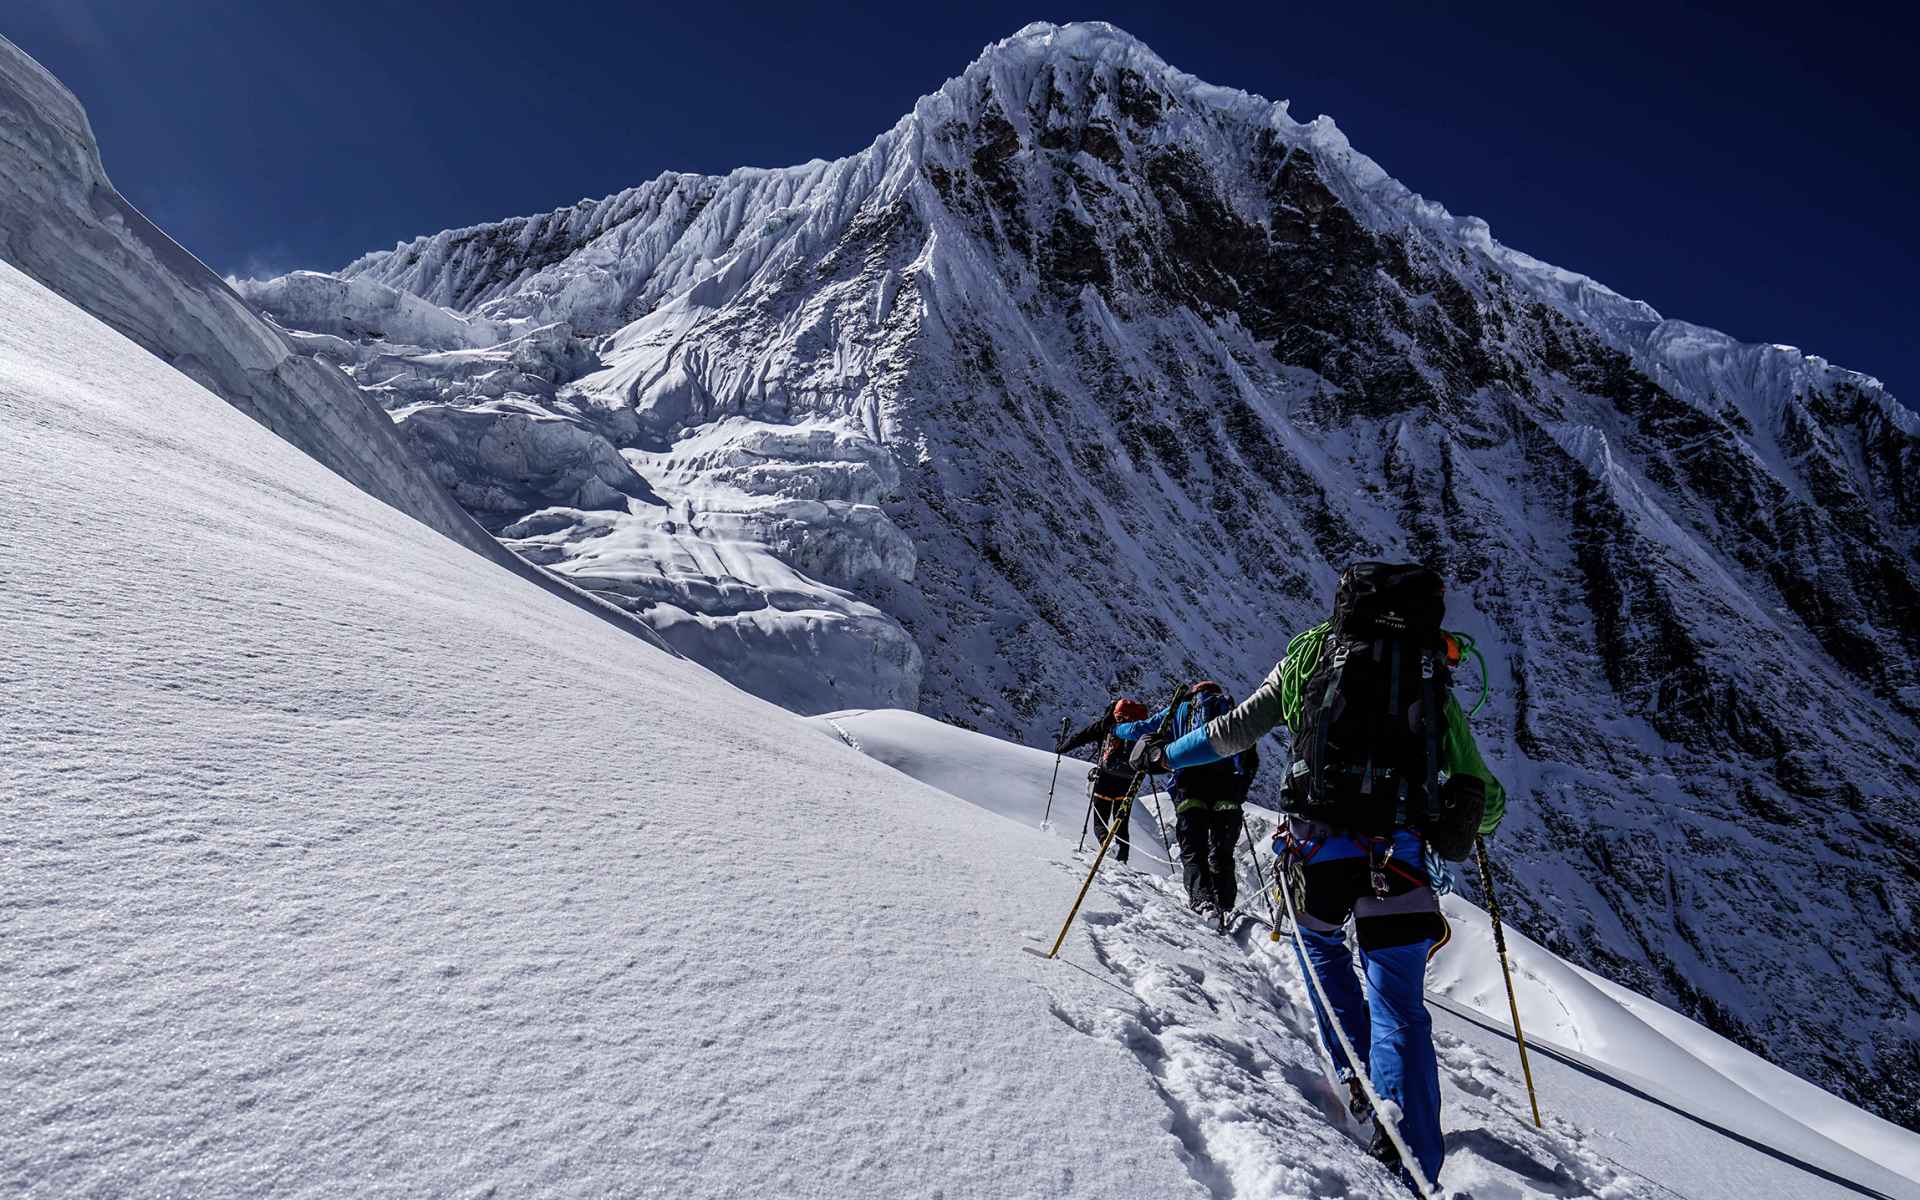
{"type": "Point", "coordinates": [1382, 770]}
{"type": "Point", "coordinates": [1267, 709]}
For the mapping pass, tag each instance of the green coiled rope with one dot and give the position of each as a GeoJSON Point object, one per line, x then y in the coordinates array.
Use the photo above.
{"type": "Point", "coordinates": [1303, 655]}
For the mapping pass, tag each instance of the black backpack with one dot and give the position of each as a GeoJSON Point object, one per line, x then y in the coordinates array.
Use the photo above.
{"type": "Point", "coordinates": [1113, 759]}
{"type": "Point", "coordinates": [1373, 710]}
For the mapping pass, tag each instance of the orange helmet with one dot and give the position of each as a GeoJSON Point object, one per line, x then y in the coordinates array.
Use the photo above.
{"type": "Point", "coordinates": [1126, 708]}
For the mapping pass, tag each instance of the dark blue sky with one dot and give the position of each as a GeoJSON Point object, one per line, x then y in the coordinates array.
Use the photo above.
{"type": "Point", "coordinates": [1747, 170]}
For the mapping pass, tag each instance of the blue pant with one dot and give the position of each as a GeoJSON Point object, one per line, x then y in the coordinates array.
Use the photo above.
{"type": "Point", "coordinates": [1388, 1024]}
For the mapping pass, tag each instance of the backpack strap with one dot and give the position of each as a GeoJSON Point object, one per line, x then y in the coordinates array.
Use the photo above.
{"type": "Point", "coordinates": [1323, 720]}
{"type": "Point", "coordinates": [1393, 713]}
{"type": "Point", "coordinates": [1376, 720]}
{"type": "Point", "coordinates": [1431, 711]}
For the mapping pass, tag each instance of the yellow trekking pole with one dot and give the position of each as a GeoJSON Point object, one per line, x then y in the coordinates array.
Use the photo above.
{"type": "Point", "coordinates": [1119, 822]}
{"type": "Point", "coordinates": [1500, 948]}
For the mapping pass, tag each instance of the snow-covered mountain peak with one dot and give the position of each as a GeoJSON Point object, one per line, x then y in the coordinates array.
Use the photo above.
{"type": "Point", "coordinates": [1047, 80]}
{"type": "Point", "coordinates": [300, 884]}
{"type": "Point", "coordinates": [1085, 376]}
{"type": "Point", "coordinates": [1043, 43]}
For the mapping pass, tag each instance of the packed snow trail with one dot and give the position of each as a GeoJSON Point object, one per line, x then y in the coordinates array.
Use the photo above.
{"type": "Point", "coordinates": [335, 860]}
{"type": "Point", "coordinates": [1653, 1106]}
{"type": "Point", "coordinates": [1224, 1029]}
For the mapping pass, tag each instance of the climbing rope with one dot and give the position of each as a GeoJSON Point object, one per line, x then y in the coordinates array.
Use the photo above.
{"type": "Point", "coordinates": [1465, 642]}
{"type": "Point", "coordinates": [1303, 655]}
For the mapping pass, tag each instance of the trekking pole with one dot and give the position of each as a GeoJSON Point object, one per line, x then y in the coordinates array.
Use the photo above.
{"type": "Point", "coordinates": [1120, 818]}
{"type": "Point", "coordinates": [1086, 822]}
{"type": "Point", "coordinates": [1253, 848]}
{"type": "Point", "coordinates": [1057, 752]}
{"type": "Point", "coordinates": [1500, 948]}
{"type": "Point", "coordinates": [1159, 818]}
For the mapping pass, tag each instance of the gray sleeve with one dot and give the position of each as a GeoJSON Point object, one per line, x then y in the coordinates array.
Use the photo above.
{"type": "Point", "coordinates": [1250, 721]}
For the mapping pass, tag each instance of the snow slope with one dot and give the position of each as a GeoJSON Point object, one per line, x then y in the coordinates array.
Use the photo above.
{"type": "Point", "coordinates": [1089, 374]}
{"type": "Point", "coordinates": [315, 887]}
{"type": "Point", "coordinates": [304, 898]}
{"type": "Point", "coordinates": [1642, 1045]}
{"type": "Point", "coordinates": [62, 222]}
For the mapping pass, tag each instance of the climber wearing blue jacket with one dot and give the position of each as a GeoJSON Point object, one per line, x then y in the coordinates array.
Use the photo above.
{"type": "Point", "coordinates": [1206, 801]}
{"type": "Point", "coordinates": [1374, 873]}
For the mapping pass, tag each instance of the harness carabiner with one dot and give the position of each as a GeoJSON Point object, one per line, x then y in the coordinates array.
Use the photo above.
{"type": "Point", "coordinates": [1377, 868]}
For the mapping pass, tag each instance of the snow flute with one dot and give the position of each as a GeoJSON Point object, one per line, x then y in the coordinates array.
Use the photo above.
{"type": "Point", "coordinates": [1500, 948]}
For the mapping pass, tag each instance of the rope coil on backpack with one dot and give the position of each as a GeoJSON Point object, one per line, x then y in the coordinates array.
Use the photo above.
{"type": "Point", "coordinates": [1303, 655]}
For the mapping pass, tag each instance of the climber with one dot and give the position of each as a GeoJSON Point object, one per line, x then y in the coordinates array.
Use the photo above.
{"type": "Point", "coordinates": [1206, 801]}
{"type": "Point", "coordinates": [1110, 777]}
{"type": "Point", "coordinates": [1383, 780]}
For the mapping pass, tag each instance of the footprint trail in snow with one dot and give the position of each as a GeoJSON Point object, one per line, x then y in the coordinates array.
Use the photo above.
{"type": "Point", "coordinates": [1221, 1027]}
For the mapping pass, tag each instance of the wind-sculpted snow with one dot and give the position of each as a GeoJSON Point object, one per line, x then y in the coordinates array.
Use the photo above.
{"type": "Point", "coordinates": [301, 899]}
{"type": "Point", "coordinates": [1121, 367]}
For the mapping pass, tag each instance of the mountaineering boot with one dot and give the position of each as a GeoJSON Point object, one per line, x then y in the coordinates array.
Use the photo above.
{"type": "Point", "coordinates": [1357, 1102]}
{"type": "Point", "coordinates": [1386, 1153]}
{"type": "Point", "coordinates": [1382, 1147]}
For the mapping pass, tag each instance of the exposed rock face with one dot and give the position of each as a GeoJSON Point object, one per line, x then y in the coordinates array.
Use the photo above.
{"type": "Point", "coordinates": [1090, 372]}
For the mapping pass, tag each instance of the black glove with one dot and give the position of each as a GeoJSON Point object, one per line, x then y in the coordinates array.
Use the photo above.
{"type": "Point", "coordinates": [1149, 754]}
